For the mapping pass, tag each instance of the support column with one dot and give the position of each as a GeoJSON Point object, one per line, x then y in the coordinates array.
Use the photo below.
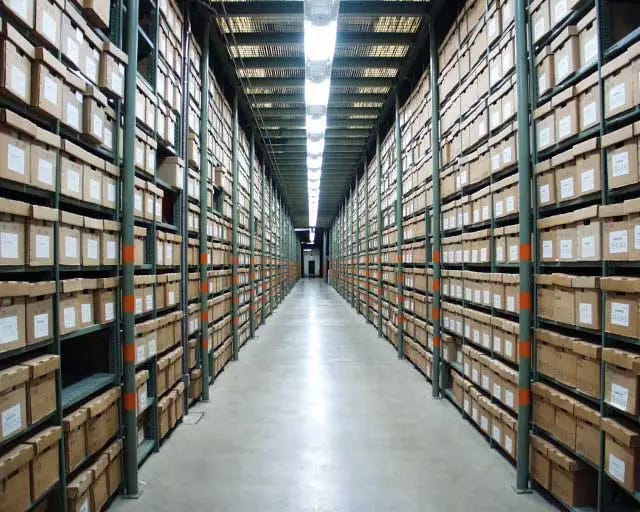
{"type": "Point", "coordinates": [252, 242]}
{"type": "Point", "coordinates": [356, 266]}
{"type": "Point", "coordinates": [436, 257]}
{"type": "Point", "coordinates": [379, 244]}
{"type": "Point", "coordinates": [262, 259]}
{"type": "Point", "coordinates": [524, 219]}
{"type": "Point", "coordinates": [366, 242]}
{"type": "Point", "coordinates": [400, 237]}
{"type": "Point", "coordinates": [234, 230]}
{"type": "Point", "coordinates": [325, 264]}
{"type": "Point", "coordinates": [128, 258]}
{"type": "Point", "coordinates": [204, 254]}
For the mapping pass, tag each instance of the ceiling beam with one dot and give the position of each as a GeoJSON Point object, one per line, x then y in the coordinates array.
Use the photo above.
{"type": "Point", "coordinates": [330, 132]}
{"type": "Point", "coordinates": [298, 62]}
{"type": "Point", "coordinates": [335, 99]}
{"type": "Point", "coordinates": [361, 124]}
{"type": "Point", "coordinates": [336, 82]}
{"type": "Point", "coordinates": [295, 8]}
{"type": "Point", "coordinates": [303, 142]}
{"type": "Point", "coordinates": [334, 112]}
{"type": "Point", "coordinates": [343, 38]}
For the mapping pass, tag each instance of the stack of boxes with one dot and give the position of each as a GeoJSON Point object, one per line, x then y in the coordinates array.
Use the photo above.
{"type": "Point", "coordinates": [244, 292]}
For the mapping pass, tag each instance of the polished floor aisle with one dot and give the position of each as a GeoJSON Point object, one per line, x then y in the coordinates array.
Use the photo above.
{"type": "Point", "coordinates": [319, 415]}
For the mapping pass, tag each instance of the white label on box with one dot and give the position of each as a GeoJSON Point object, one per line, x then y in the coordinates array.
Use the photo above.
{"type": "Point", "coordinates": [538, 28]}
{"type": "Point", "coordinates": [116, 82]}
{"type": "Point", "coordinates": [486, 340]}
{"type": "Point", "coordinates": [566, 188]}
{"type": "Point", "coordinates": [495, 162]}
{"type": "Point", "coordinates": [482, 129]}
{"type": "Point", "coordinates": [152, 346]}
{"type": "Point", "coordinates": [589, 114]}
{"type": "Point", "coordinates": [507, 109]}
{"type": "Point", "coordinates": [9, 246]}
{"type": "Point", "coordinates": [483, 254]}
{"type": "Point", "coordinates": [485, 212]}
{"type": "Point", "coordinates": [8, 329]}
{"type": "Point", "coordinates": [619, 396]}
{"type": "Point", "coordinates": [50, 90]}
{"type": "Point", "coordinates": [107, 140]}
{"type": "Point", "coordinates": [620, 314]}
{"type": "Point", "coordinates": [499, 208]}
{"type": "Point", "coordinates": [466, 405]}
{"type": "Point", "coordinates": [566, 249]}
{"type": "Point", "coordinates": [172, 297]}
{"type": "Point", "coordinates": [49, 27]}
{"type": "Point", "coordinates": [73, 49]}
{"type": "Point", "coordinates": [95, 190]}
{"type": "Point", "coordinates": [547, 248]}
{"type": "Point", "coordinates": [618, 242]}
{"type": "Point", "coordinates": [111, 250]}
{"type": "Point", "coordinates": [493, 27]}
{"type": "Point", "coordinates": [139, 308]}
{"type": "Point", "coordinates": [138, 202]}
{"type": "Point", "coordinates": [511, 204]}
{"type": "Point", "coordinates": [511, 303]}
{"type": "Point", "coordinates": [139, 155]}
{"type": "Point", "coordinates": [636, 236]}
{"type": "Point", "coordinates": [543, 192]}
{"type": "Point", "coordinates": [496, 433]}
{"type": "Point", "coordinates": [508, 444]}
{"type": "Point", "coordinates": [590, 50]}
{"type": "Point", "coordinates": [585, 313]}
{"type": "Point", "coordinates": [148, 302]}
{"type": "Point", "coordinates": [168, 254]}
{"type": "Point", "coordinates": [495, 118]}
{"type": "Point", "coordinates": [506, 155]}
{"type": "Point", "coordinates": [587, 181]}
{"type": "Point", "coordinates": [564, 127]}
{"type": "Point", "coordinates": [474, 374]}
{"type": "Point", "coordinates": [508, 348]}
{"type": "Point", "coordinates": [45, 171]}
{"type": "Point", "coordinates": [588, 246]}
{"type": "Point", "coordinates": [474, 255]}
{"type": "Point", "coordinates": [476, 296]}
{"type": "Point", "coordinates": [465, 218]}
{"type": "Point", "coordinates": [560, 10]}
{"type": "Point", "coordinates": [11, 420]}
{"type": "Point", "coordinates": [73, 116]}
{"type": "Point", "coordinates": [545, 137]}
{"type": "Point", "coordinates": [497, 344]}
{"type": "Point", "coordinates": [617, 96]}
{"type": "Point", "coordinates": [91, 67]}
{"type": "Point", "coordinates": [485, 382]}
{"type": "Point", "coordinates": [445, 223]}
{"type": "Point", "coordinates": [484, 423]}
{"type": "Point", "coordinates": [42, 246]}
{"type": "Point", "coordinates": [542, 82]}
{"type": "Point", "coordinates": [111, 192]}
{"type": "Point", "coordinates": [468, 293]}
{"type": "Point", "coordinates": [15, 159]}
{"type": "Point", "coordinates": [92, 249]}
{"type": "Point", "coordinates": [96, 127]}
{"type": "Point", "coordinates": [500, 253]}
{"type": "Point", "coordinates": [19, 82]}
{"type": "Point", "coordinates": [70, 247]}
{"type": "Point", "coordinates": [73, 181]}
{"type": "Point", "coordinates": [513, 253]}
{"type": "Point", "coordinates": [19, 7]}
{"type": "Point", "coordinates": [506, 61]}
{"type": "Point", "coordinates": [562, 68]}
{"type": "Point", "coordinates": [41, 325]}
{"type": "Point", "coordinates": [86, 312]}
{"type": "Point", "coordinates": [140, 353]}
{"type": "Point", "coordinates": [69, 317]}
{"type": "Point", "coordinates": [509, 398]}
{"type": "Point", "coordinates": [497, 301]}
{"type": "Point", "coordinates": [616, 467]}
{"type": "Point", "coordinates": [109, 311]}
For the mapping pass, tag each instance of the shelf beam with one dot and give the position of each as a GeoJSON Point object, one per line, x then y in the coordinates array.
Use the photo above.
{"type": "Point", "coordinates": [234, 229]}
{"type": "Point", "coordinates": [252, 236]}
{"type": "Point", "coordinates": [399, 230]}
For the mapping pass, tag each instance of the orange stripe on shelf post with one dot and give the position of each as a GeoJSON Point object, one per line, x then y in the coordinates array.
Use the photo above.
{"type": "Point", "coordinates": [436, 341]}
{"type": "Point", "coordinates": [129, 304]}
{"type": "Point", "coordinates": [436, 313]}
{"type": "Point", "coordinates": [204, 258]}
{"type": "Point", "coordinates": [204, 343]}
{"type": "Point", "coordinates": [129, 353]}
{"type": "Point", "coordinates": [128, 255]}
{"type": "Point", "coordinates": [204, 288]}
{"type": "Point", "coordinates": [129, 401]}
{"type": "Point", "coordinates": [526, 252]}
{"type": "Point", "coordinates": [524, 349]}
{"type": "Point", "coordinates": [524, 397]}
{"type": "Point", "coordinates": [436, 256]}
{"type": "Point", "coordinates": [436, 285]}
{"type": "Point", "coordinates": [526, 301]}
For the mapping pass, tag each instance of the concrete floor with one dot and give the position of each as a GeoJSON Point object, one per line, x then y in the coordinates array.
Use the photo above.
{"type": "Point", "coordinates": [319, 415]}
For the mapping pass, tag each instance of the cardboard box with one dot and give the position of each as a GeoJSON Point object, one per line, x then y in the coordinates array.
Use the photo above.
{"type": "Point", "coordinates": [587, 432]}
{"type": "Point", "coordinates": [587, 162]}
{"type": "Point", "coordinates": [621, 147]}
{"type": "Point", "coordinates": [17, 57]}
{"type": "Point", "coordinates": [13, 215]}
{"type": "Point", "coordinates": [75, 438]}
{"type": "Point", "coordinates": [114, 470]}
{"type": "Point", "coordinates": [105, 299]}
{"type": "Point", "coordinates": [566, 54]}
{"type": "Point", "coordinates": [540, 19]}
{"type": "Point", "coordinates": [621, 453]}
{"type": "Point", "coordinates": [47, 78]}
{"type": "Point", "coordinates": [103, 419]}
{"type": "Point", "coordinates": [13, 400]}
{"type": "Point", "coordinates": [91, 238]}
{"type": "Point", "coordinates": [171, 171]}
{"type": "Point", "coordinates": [39, 312]}
{"type": "Point", "coordinates": [623, 305]}
{"type": "Point", "coordinates": [98, 13]}
{"type": "Point", "coordinates": [44, 468]}
{"type": "Point", "coordinates": [90, 55]}
{"type": "Point", "coordinates": [110, 254]}
{"type": "Point", "coordinates": [43, 160]}
{"type": "Point", "coordinates": [79, 492]}
{"type": "Point", "coordinates": [69, 244]}
{"type": "Point", "coordinates": [545, 71]}
{"type": "Point", "coordinates": [100, 484]}
{"type": "Point", "coordinates": [571, 481]}
{"type": "Point", "coordinates": [109, 185]}
{"type": "Point", "coordinates": [618, 83]}
{"type": "Point", "coordinates": [15, 480]}
{"type": "Point", "coordinates": [40, 229]}
{"type": "Point", "coordinates": [565, 105]}
{"type": "Point", "coordinates": [140, 235]}
{"type": "Point", "coordinates": [41, 386]}
{"type": "Point", "coordinates": [49, 20]}
{"type": "Point", "coordinates": [545, 126]}
{"type": "Point", "coordinates": [15, 146]}
{"type": "Point", "coordinates": [93, 114]}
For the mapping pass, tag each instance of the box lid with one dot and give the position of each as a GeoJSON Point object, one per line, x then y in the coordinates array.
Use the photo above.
{"type": "Point", "coordinates": [17, 208]}
{"type": "Point", "coordinates": [114, 51]}
{"type": "Point", "coordinates": [42, 365]}
{"type": "Point", "coordinates": [75, 419]}
{"type": "Point", "coordinates": [91, 223]}
{"type": "Point", "coordinates": [141, 377]}
{"type": "Point", "coordinates": [44, 439]}
{"type": "Point", "coordinates": [9, 32]}
{"type": "Point", "coordinates": [42, 288]}
{"type": "Point", "coordinates": [43, 55]}
{"type": "Point", "coordinates": [14, 289]}
{"type": "Point", "coordinates": [108, 282]}
{"type": "Point", "coordinates": [586, 413]}
{"type": "Point", "coordinates": [102, 402]}
{"type": "Point", "coordinates": [13, 376]}
{"type": "Point", "coordinates": [622, 359]}
{"type": "Point", "coordinates": [99, 466]}
{"type": "Point", "coordinates": [15, 459]}
{"type": "Point", "coordinates": [43, 213]}
{"type": "Point", "coordinates": [620, 284]}
{"type": "Point", "coordinates": [625, 433]}
{"type": "Point", "coordinates": [71, 219]}
{"type": "Point", "coordinates": [114, 449]}
{"type": "Point", "coordinates": [80, 484]}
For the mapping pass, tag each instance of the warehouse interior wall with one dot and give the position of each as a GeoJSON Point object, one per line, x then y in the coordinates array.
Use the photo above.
{"type": "Point", "coordinates": [313, 256]}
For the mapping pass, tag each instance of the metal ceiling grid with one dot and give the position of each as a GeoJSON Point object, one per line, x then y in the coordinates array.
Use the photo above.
{"type": "Point", "coordinates": [265, 42]}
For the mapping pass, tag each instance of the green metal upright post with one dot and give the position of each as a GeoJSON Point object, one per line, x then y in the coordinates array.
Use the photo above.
{"type": "Point", "coordinates": [202, 227]}
{"type": "Point", "coordinates": [356, 209]}
{"type": "Point", "coordinates": [399, 231]}
{"type": "Point", "coordinates": [379, 241]}
{"type": "Point", "coordinates": [325, 264]}
{"type": "Point", "coordinates": [524, 219]}
{"type": "Point", "coordinates": [437, 200]}
{"type": "Point", "coordinates": [234, 229]}
{"type": "Point", "coordinates": [252, 242]}
{"type": "Point", "coordinates": [366, 242]}
{"type": "Point", "coordinates": [128, 259]}
{"type": "Point", "coordinates": [262, 259]}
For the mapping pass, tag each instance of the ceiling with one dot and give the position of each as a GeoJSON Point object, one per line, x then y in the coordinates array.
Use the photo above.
{"type": "Point", "coordinates": [264, 40]}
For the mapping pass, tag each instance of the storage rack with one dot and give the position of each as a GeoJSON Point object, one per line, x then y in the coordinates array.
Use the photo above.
{"type": "Point", "coordinates": [148, 169]}
{"type": "Point", "coordinates": [583, 428]}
